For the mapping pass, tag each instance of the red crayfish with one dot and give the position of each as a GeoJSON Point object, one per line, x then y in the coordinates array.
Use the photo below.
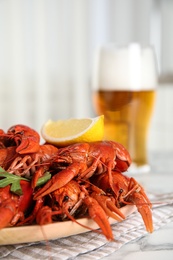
{"type": "Point", "coordinates": [76, 200]}
{"type": "Point", "coordinates": [126, 191]}
{"type": "Point", "coordinates": [21, 153]}
{"type": "Point", "coordinates": [87, 180]}
{"type": "Point", "coordinates": [85, 159]}
{"type": "Point", "coordinates": [12, 206]}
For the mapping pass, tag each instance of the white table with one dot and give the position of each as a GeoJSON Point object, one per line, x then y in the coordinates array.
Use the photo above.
{"type": "Point", "coordinates": [159, 244]}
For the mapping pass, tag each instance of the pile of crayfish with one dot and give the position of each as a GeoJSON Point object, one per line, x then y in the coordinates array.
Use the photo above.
{"type": "Point", "coordinates": [42, 183]}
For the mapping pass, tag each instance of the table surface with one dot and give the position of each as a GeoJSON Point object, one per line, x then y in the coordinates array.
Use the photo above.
{"type": "Point", "coordinates": [159, 244]}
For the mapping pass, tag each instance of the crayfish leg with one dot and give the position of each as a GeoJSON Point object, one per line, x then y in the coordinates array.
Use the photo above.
{"type": "Point", "coordinates": [37, 174]}
{"type": "Point", "coordinates": [31, 218]}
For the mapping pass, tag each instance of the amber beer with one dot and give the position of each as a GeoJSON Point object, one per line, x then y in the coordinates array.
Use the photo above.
{"type": "Point", "coordinates": [127, 108]}
{"type": "Point", "coordinates": [127, 116]}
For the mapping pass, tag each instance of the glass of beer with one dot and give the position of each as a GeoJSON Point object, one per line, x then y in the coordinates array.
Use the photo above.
{"type": "Point", "coordinates": [124, 87]}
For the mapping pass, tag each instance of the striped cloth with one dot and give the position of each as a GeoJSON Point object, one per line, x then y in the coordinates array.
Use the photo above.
{"type": "Point", "coordinates": [89, 245]}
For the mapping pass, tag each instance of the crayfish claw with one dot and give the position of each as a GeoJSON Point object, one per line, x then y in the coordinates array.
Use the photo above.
{"type": "Point", "coordinates": [139, 198]}
{"type": "Point", "coordinates": [144, 209]}
{"type": "Point", "coordinates": [56, 182]}
{"type": "Point", "coordinates": [7, 212]}
{"type": "Point", "coordinates": [109, 207]}
{"type": "Point", "coordinates": [26, 139]}
{"type": "Point", "coordinates": [46, 189]}
{"type": "Point", "coordinates": [59, 180]}
{"type": "Point", "coordinates": [28, 146]}
{"type": "Point", "coordinates": [97, 213]}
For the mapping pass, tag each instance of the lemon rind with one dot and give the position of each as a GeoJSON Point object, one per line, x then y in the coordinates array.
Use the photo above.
{"type": "Point", "coordinates": [72, 137]}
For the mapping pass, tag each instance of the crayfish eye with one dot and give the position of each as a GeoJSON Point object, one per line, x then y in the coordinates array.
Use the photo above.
{"type": "Point", "coordinates": [108, 190]}
{"type": "Point", "coordinates": [20, 132]}
{"type": "Point", "coordinates": [66, 198]}
{"type": "Point", "coordinates": [121, 191]}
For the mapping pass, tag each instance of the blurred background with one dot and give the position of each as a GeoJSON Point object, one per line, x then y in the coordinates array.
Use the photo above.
{"type": "Point", "coordinates": [47, 49]}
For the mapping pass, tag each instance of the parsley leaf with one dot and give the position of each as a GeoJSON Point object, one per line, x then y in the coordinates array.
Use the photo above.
{"type": "Point", "coordinates": [12, 179]}
{"type": "Point", "coordinates": [7, 178]}
{"type": "Point", "coordinates": [42, 180]}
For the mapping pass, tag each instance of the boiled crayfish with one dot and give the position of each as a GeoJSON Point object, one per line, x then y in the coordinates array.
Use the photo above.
{"type": "Point", "coordinates": [21, 153]}
{"type": "Point", "coordinates": [75, 199]}
{"type": "Point", "coordinates": [87, 179]}
{"type": "Point", "coordinates": [14, 207]}
{"type": "Point", "coordinates": [126, 191]}
{"type": "Point", "coordinates": [85, 159]}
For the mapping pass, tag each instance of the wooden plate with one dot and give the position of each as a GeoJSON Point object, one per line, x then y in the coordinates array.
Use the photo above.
{"type": "Point", "coordinates": [35, 233]}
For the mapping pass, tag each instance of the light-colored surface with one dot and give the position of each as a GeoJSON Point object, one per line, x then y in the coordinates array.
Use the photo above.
{"type": "Point", "coordinates": [159, 244]}
{"type": "Point", "coordinates": [26, 234]}
{"type": "Point", "coordinates": [47, 52]}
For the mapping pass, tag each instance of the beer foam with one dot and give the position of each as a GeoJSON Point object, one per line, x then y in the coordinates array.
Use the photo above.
{"type": "Point", "coordinates": [125, 68]}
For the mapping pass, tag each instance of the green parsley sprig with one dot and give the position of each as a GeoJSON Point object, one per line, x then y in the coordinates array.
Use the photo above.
{"type": "Point", "coordinates": [7, 178]}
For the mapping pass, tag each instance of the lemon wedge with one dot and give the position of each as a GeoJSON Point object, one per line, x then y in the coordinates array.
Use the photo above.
{"type": "Point", "coordinates": [70, 131]}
